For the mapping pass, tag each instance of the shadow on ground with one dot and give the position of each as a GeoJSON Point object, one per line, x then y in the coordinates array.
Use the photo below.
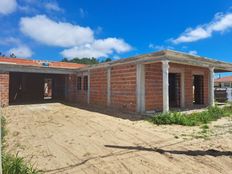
{"type": "Point", "coordinates": [132, 149]}
{"type": "Point", "coordinates": [210, 152]}
{"type": "Point", "coordinates": [98, 109]}
{"type": "Point", "coordinates": [33, 102]}
{"type": "Point", "coordinates": [108, 111]}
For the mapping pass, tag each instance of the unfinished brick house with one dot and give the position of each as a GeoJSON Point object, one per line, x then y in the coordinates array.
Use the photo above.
{"type": "Point", "coordinates": [145, 83]}
{"type": "Point", "coordinates": [223, 82]}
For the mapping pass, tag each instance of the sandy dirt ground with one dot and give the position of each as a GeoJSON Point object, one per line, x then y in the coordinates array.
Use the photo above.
{"type": "Point", "coordinates": [57, 138]}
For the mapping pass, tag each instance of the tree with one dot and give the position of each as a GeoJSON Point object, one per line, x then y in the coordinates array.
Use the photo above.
{"type": "Point", "coordinates": [88, 61]}
{"type": "Point", "coordinates": [12, 55]}
{"type": "Point", "coordinates": [107, 60]}
{"type": "Point", "coordinates": [64, 60]}
{"type": "Point", "coordinates": [2, 55]}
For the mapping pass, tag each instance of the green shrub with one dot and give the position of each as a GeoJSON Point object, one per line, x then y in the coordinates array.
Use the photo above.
{"type": "Point", "coordinates": [198, 118]}
{"type": "Point", "coordinates": [13, 164]}
{"type": "Point", "coordinates": [3, 128]}
{"type": "Point", "coordinates": [16, 165]}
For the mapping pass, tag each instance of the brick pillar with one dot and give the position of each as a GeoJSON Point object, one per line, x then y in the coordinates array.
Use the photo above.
{"type": "Point", "coordinates": [4, 89]}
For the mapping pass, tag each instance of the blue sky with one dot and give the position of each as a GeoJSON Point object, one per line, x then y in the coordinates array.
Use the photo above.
{"type": "Point", "coordinates": [53, 29]}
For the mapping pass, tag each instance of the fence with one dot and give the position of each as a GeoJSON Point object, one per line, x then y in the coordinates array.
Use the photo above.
{"type": "Point", "coordinates": [223, 94]}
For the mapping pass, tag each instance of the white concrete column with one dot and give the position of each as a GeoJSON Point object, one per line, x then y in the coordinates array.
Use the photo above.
{"type": "Point", "coordinates": [165, 69]}
{"type": "Point", "coordinates": [109, 86]}
{"type": "Point", "coordinates": [88, 94]}
{"type": "Point", "coordinates": [140, 88]}
{"type": "Point", "coordinates": [211, 86]}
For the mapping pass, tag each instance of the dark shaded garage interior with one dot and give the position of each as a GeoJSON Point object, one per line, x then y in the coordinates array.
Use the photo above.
{"type": "Point", "coordinates": [36, 87]}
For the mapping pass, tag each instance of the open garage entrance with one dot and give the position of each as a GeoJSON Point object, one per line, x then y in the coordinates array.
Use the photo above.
{"type": "Point", "coordinates": [36, 87]}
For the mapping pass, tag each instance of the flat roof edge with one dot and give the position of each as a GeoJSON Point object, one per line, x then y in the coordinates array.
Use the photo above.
{"type": "Point", "coordinates": [34, 69]}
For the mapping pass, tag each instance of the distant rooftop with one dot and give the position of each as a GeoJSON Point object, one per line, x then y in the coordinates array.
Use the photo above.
{"type": "Point", "coordinates": [224, 79]}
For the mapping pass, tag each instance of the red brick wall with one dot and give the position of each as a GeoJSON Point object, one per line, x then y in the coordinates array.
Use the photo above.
{"type": "Point", "coordinates": [98, 86]}
{"type": "Point", "coordinates": [153, 86]}
{"type": "Point", "coordinates": [189, 72]}
{"type": "Point", "coordinates": [75, 95]}
{"type": "Point", "coordinates": [123, 87]}
{"type": "Point", "coordinates": [4, 89]}
{"type": "Point", "coordinates": [71, 87]}
{"type": "Point", "coordinates": [81, 95]}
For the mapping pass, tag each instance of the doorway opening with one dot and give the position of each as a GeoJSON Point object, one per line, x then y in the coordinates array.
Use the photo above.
{"type": "Point", "coordinates": [174, 90]}
{"type": "Point", "coordinates": [198, 89]}
{"type": "Point", "coordinates": [47, 89]}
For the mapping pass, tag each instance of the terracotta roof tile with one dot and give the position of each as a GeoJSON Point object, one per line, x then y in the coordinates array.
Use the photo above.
{"type": "Point", "coordinates": [224, 79]}
{"type": "Point", "coordinates": [29, 62]}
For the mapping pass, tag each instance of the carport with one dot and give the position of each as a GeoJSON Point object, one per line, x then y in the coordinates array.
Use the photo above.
{"type": "Point", "coordinates": [33, 82]}
{"type": "Point", "coordinates": [36, 87]}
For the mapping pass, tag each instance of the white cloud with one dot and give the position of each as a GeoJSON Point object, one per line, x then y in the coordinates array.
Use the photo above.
{"type": "Point", "coordinates": [21, 51]}
{"type": "Point", "coordinates": [220, 23]}
{"type": "Point", "coordinates": [116, 57]}
{"type": "Point", "coordinates": [110, 44]}
{"type": "Point", "coordinates": [193, 52]}
{"type": "Point", "coordinates": [7, 6]}
{"type": "Point", "coordinates": [159, 47]}
{"type": "Point", "coordinates": [152, 46]}
{"type": "Point", "coordinates": [83, 13]}
{"type": "Point", "coordinates": [27, 9]}
{"type": "Point", "coordinates": [49, 32]}
{"type": "Point", "coordinates": [53, 6]}
{"type": "Point", "coordinates": [31, 1]}
{"type": "Point", "coordinates": [99, 48]}
{"type": "Point", "coordinates": [10, 41]}
{"type": "Point", "coordinates": [79, 41]}
{"type": "Point", "coordinates": [192, 35]}
{"type": "Point", "coordinates": [98, 30]}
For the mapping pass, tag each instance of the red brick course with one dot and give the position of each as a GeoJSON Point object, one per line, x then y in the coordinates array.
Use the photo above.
{"type": "Point", "coordinates": [81, 95]}
{"type": "Point", "coordinates": [98, 86]}
{"type": "Point", "coordinates": [4, 89]}
{"type": "Point", "coordinates": [71, 85]}
{"type": "Point", "coordinates": [123, 87]}
{"type": "Point", "coordinates": [189, 72]}
{"type": "Point", "coordinates": [153, 86]}
{"type": "Point", "coordinates": [74, 94]}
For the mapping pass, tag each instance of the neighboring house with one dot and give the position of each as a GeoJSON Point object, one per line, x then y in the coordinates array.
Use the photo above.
{"type": "Point", "coordinates": [148, 82]}
{"type": "Point", "coordinates": [224, 82]}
